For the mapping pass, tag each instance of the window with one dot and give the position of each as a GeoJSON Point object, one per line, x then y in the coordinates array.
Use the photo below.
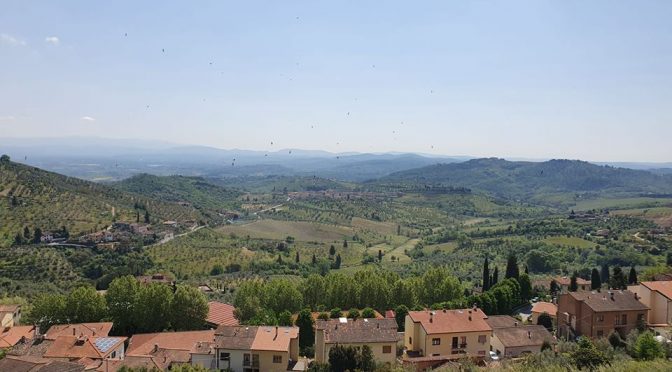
{"type": "Point", "coordinates": [436, 341]}
{"type": "Point", "coordinates": [624, 319]}
{"type": "Point", "coordinates": [387, 349]}
{"type": "Point", "coordinates": [226, 356]}
{"type": "Point", "coordinates": [640, 317]}
{"type": "Point", "coordinates": [246, 359]}
{"type": "Point", "coordinates": [277, 358]}
{"type": "Point", "coordinates": [482, 339]}
{"type": "Point", "coordinates": [600, 318]}
{"type": "Point", "coordinates": [410, 340]}
{"type": "Point", "coordinates": [255, 360]}
{"type": "Point", "coordinates": [454, 344]}
{"type": "Point", "coordinates": [114, 355]}
{"type": "Point", "coordinates": [463, 342]}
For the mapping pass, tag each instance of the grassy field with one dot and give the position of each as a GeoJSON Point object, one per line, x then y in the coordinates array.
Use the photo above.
{"type": "Point", "coordinates": [621, 203]}
{"type": "Point", "coordinates": [300, 230]}
{"type": "Point", "coordinates": [571, 241]}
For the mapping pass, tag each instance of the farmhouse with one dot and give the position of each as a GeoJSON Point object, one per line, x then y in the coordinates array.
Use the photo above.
{"type": "Point", "coordinates": [243, 349]}
{"type": "Point", "coordinates": [564, 283]}
{"type": "Point", "coordinates": [379, 334]}
{"type": "Point", "coordinates": [595, 314]}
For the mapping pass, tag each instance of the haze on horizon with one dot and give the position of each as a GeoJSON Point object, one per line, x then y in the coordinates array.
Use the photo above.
{"type": "Point", "coordinates": [571, 79]}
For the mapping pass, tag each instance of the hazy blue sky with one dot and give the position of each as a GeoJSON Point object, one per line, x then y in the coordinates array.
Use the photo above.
{"type": "Point", "coordinates": [539, 79]}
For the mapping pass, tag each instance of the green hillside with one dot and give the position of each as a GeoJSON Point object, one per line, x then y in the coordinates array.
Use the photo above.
{"type": "Point", "coordinates": [35, 198]}
{"type": "Point", "coordinates": [523, 179]}
{"type": "Point", "coordinates": [204, 196]}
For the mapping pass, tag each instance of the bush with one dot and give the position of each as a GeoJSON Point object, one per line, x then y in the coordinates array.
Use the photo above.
{"type": "Point", "coordinates": [335, 313]}
{"type": "Point", "coordinates": [353, 314]}
{"type": "Point", "coordinates": [368, 313]}
{"type": "Point", "coordinates": [647, 348]}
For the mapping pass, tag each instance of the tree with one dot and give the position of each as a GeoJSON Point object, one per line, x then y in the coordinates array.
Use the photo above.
{"type": "Point", "coordinates": [146, 216]}
{"type": "Point", "coordinates": [26, 233]}
{"type": "Point", "coordinates": [595, 280]}
{"type": "Point", "coordinates": [84, 305]}
{"type": "Point", "coordinates": [615, 340]}
{"type": "Point", "coordinates": [365, 362]}
{"type": "Point", "coordinates": [512, 270]}
{"type": "Point", "coordinates": [18, 239]}
{"type": "Point", "coordinates": [380, 255]}
{"type": "Point", "coordinates": [336, 313]}
{"type": "Point", "coordinates": [4, 159]}
{"type": "Point", "coordinates": [573, 286]}
{"type": "Point", "coordinates": [305, 323]}
{"type": "Point", "coordinates": [647, 348]}
{"type": "Point", "coordinates": [353, 313]}
{"type": "Point", "coordinates": [121, 297]}
{"type": "Point", "coordinates": [342, 358]}
{"type": "Point", "coordinates": [314, 260]}
{"type": "Point", "coordinates": [345, 243]}
{"type": "Point", "coordinates": [285, 319]}
{"type": "Point", "coordinates": [332, 250]}
{"type": "Point", "coordinates": [281, 295]}
{"type": "Point", "coordinates": [248, 300]}
{"type": "Point", "coordinates": [313, 290]}
{"type": "Point", "coordinates": [400, 316]}
{"type": "Point", "coordinates": [48, 309]}
{"type": "Point", "coordinates": [604, 273]}
{"type": "Point", "coordinates": [545, 320]}
{"type": "Point", "coordinates": [152, 308]}
{"type": "Point", "coordinates": [37, 235]}
{"type": "Point", "coordinates": [437, 285]}
{"type": "Point", "coordinates": [296, 258]}
{"type": "Point", "coordinates": [554, 287]}
{"type": "Point", "coordinates": [618, 280]}
{"type": "Point", "coordinates": [525, 287]}
{"type": "Point", "coordinates": [337, 263]}
{"type": "Point", "coordinates": [217, 269]}
{"type": "Point", "coordinates": [137, 216]}
{"type": "Point", "coordinates": [368, 313]}
{"type": "Point", "coordinates": [495, 277]}
{"type": "Point", "coordinates": [632, 277]}
{"type": "Point", "coordinates": [486, 275]}
{"type": "Point", "coordinates": [668, 258]}
{"type": "Point", "coordinates": [188, 309]}
{"type": "Point", "coordinates": [279, 259]}
{"type": "Point", "coordinates": [587, 355]}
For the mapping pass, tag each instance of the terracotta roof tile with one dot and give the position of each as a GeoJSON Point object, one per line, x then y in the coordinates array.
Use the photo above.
{"type": "Point", "coordinates": [76, 347]}
{"type": "Point", "coordinates": [530, 335]}
{"type": "Point", "coordinates": [274, 338]}
{"type": "Point", "coordinates": [609, 300]}
{"type": "Point", "coordinates": [502, 321]}
{"type": "Point", "coordinates": [221, 314]}
{"type": "Point", "coordinates": [451, 321]}
{"type": "Point", "coordinates": [9, 308]}
{"type": "Point", "coordinates": [663, 287]}
{"type": "Point", "coordinates": [358, 331]}
{"type": "Point", "coordinates": [545, 307]}
{"type": "Point", "coordinates": [144, 344]}
{"type": "Point", "coordinates": [11, 336]}
{"type": "Point", "coordinates": [235, 337]}
{"type": "Point", "coordinates": [101, 329]}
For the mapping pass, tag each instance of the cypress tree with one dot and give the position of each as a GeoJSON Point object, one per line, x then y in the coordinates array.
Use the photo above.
{"type": "Point", "coordinates": [495, 277]}
{"type": "Point", "coordinates": [486, 275]}
{"type": "Point", "coordinates": [595, 280]}
{"type": "Point", "coordinates": [632, 278]}
{"type": "Point", "coordinates": [297, 257]}
{"type": "Point", "coordinates": [512, 270]}
{"type": "Point", "coordinates": [573, 286]}
{"type": "Point", "coordinates": [604, 274]}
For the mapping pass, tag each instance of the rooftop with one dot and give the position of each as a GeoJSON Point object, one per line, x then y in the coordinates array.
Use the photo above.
{"type": "Point", "coordinates": [502, 321]}
{"type": "Point", "coordinates": [11, 336]}
{"type": "Point", "coordinates": [545, 307]}
{"type": "Point", "coordinates": [451, 321]}
{"type": "Point", "coordinates": [255, 338]}
{"type": "Point", "coordinates": [358, 331]}
{"type": "Point", "coordinates": [147, 343]}
{"type": "Point", "coordinates": [75, 347]}
{"type": "Point", "coordinates": [529, 335]}
{"type": "Point", "coordinates": [86, 329]}
{"type": "Point", "coordinates": [662, 287]}
{"type": "Point", "coordinates": [19, 364]}
{"type": "Point", "coordinates": [609, 300]}
{"type": "Point", "coordinates": [9, 308]}
{"type": "Point", "coordinates": [220, 313]}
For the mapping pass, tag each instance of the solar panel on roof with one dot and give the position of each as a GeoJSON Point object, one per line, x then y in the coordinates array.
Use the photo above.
{"type": "Point", "coordinates": [105, 343]}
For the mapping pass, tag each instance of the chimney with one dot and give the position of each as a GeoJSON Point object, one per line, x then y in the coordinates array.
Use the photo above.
{"type": "Point", "coordinates": [431, 317]}
{"type": "Point", "coordinates": [611, 294]}
{"type": "Point", "coordinates": [515, 324]}
{"type": "Point", "coordinates": [470, 318]}
{"type": "Point", "coordinates": [156, 348]}
{"type": "Point", "coordinates": [74, 331]}
{"type": "Point", "coordinates": [636, 297]}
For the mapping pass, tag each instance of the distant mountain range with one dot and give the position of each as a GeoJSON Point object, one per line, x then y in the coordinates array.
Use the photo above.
{"type": "Point", "coordinates": [506, 178]}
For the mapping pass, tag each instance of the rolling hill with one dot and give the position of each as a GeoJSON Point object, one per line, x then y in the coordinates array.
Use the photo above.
{"type": "Point", "coordinates": [521, 179]}
{"type": "Point", "coordinates": [32, 197]}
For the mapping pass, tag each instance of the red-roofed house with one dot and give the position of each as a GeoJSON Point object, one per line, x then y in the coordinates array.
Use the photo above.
{"type": "Point", "coordinates": [11, 336]}
{"type": "Point", "coordinates": [449, 334]}
{"type": "Point", "coordinates": [174, 347]}
{"type": "Point", "coordinates": [101, 329]}
{"type": "Point", "coordinates": [220, 314]}
{"type": "Point", "coordinates": [658, 297]}
{"type": "Point", "coordinates": [543, 307]}
{"type": "Point", "coordinates": [10, 315]}
{"type": "Point", "coordinates": [243, 349]}
{"type": "Point", "coordinates": [74, 348]}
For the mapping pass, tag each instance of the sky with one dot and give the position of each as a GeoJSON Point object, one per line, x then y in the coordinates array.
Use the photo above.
{"type": "Point", "coordinates": [585, 80]}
